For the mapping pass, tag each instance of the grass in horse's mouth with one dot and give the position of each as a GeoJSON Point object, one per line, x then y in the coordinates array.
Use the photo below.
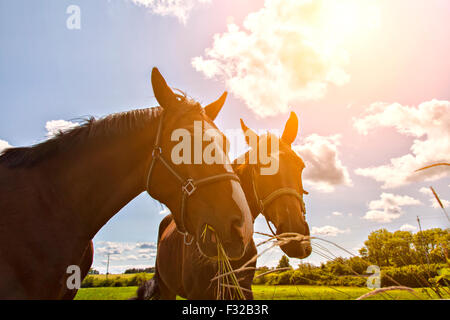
{"type": "Point", "coordinates": [205, 232]}
{"type": "Point", "coordinates": [227, 283]}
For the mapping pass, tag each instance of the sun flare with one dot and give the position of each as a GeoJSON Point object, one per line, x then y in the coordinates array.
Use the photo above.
{"type": "Point", "coordinates": [345, 20]}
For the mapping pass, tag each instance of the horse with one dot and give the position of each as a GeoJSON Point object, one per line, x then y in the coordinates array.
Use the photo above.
{"type": "Point", "coordinates": [180, 269]}
{"type": "Point", "coordinates": [56, 195]}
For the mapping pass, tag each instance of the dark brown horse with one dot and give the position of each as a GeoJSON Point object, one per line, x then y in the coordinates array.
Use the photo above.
{"type": "Point", "coordinates": [55, 196]}
{"type": "Point", "coordinates": [182, 270]}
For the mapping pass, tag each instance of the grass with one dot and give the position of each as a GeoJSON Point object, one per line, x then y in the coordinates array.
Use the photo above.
{"type": "Point", "coordinates": [115, 276]}
{"type": "Point", "coordinates": [264, 292]}
{"type": "Point", "coordinates": [106, 293]}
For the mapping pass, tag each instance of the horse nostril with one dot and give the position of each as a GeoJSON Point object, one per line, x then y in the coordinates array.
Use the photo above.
{"type": "Point", "coordinates": [308, 250]}
{"type": "Point", "coordinates": [234, 251]}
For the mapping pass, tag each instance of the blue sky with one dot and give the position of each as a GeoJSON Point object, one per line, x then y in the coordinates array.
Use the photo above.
{"type": "Point", "coordinates": [48, 72]}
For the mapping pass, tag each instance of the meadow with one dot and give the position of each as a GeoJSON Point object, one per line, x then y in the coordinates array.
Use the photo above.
{"type": "Point", "coordinates": [268, 292]}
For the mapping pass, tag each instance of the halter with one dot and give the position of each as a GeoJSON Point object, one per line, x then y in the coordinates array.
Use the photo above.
{"type": "Point", "coordinates": [264, 203]}
{"type": "Point", "coordinates": [188, 185]}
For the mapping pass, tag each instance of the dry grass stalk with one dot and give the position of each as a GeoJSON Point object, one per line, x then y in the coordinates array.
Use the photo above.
{"type": "Point", "coordinates": [278, 240]}
{"type": "Point", "coordinates": [287, 237]}
{"type": "Point", "coordinates": [226, 279]}
{"type": "Point", "coordinates": [440, 202]}
{"type": "Point", "coordinates": [433, 165]}
{"type": "Point", "coordinates": [381, 290]}
{"type": "Point", "coordinates": [236, 288]}
{"type": "Point", "coordinates": [272, 271]}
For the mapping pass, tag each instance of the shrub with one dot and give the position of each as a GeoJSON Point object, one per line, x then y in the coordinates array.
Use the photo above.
{"type": "Point", "coordinates": [138, 279]}
{"type": "Point", "coordinates": [88, 282]}
{"type": "Point", "coordinates": [413, 276]}
{"type": "Point", "coordinates": [94, 281]}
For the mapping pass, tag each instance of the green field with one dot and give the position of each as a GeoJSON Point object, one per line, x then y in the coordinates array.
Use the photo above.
{"type": "Point", "coordinates": [263, 292]}
{"type": "Point", "coordinates": [115, 276]}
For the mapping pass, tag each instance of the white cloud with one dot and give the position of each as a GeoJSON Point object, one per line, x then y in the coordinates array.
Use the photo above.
{"type": "Point", "coordinates": [290, 50]}
{"type": "Point", "coordinates": [54, 127]}
{"type": "Point", "coordinates": [324, 169]}
{"type": "Point", "coordinates": [433, 201]}
{"type": "Point", "coordinates": [146, 245]}
{"type": "Point", "coordinates": [408, 227]}
{"type": "Point", "coordinates": [118, 268]}
{"type": "Point", "coordinates": [336, 213]}
{"type": "Point", "coordinates": [429, 124]}
{"type": "Point", "coordinates": [389, 207]}
{"type": "Point", "coordinates": [105, 247]}
{"type": "Point", "coordinates": [124, 255]}
{"type": "Point", "coordinates": [177, 8]}
{"type": "Point", "coordinates": [4, 145]}
{"type": "Point", "coordinates": [327, 231]}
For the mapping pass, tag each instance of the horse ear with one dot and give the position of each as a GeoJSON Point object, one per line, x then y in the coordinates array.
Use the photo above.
{"type": "Point", "coordinates": [291, 129]}
{"type": "Point", "coordinates": [213, 109]}
{"type": "Point", "coordinates": [248, 133]}
{"type": "Point", "coordinates": [163, 94]}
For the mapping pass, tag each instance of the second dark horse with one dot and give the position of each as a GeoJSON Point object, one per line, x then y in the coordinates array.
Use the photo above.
{"type": "Point", "coordinates": [182, 270]}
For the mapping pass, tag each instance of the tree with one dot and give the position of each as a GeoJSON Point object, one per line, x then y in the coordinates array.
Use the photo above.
{"type": "Point", "coordinates": [93, 271]}
{"type": "Point", "coordinates": [137, 270]}
{"type": "Point", "coordinates": [357, 264]}
{"type": "Point", "coordinates": [284, 262]}
{"type": "Point", "coordinates": [403, 248]}
{"type": "Point", "coordinates": [432, 242]}
{"type": "Point", "coordinates": [400, 248]}
{"type": "Point", "coordinates": [377, 247]}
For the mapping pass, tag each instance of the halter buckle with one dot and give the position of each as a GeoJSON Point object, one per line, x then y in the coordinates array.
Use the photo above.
{"type": "Point", "coordinates": [189, 187]}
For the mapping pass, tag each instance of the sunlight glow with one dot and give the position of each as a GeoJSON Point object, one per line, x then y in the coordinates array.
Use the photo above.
{"type": "Point", "coordinates": [289, 50]}
{"type": "Point", "coordinates": [344, 22]}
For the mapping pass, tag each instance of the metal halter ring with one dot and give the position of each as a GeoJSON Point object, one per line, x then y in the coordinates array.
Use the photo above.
{"type": "Point", "coordinates": [156, 152]}
{"type": "Point", "coordinates": [186, 235]}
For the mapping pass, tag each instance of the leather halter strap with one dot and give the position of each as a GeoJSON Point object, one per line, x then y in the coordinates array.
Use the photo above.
{"type": "Point", "coordinates": [264, 203]}
{"type": "Point", "coordinates": [188, 185]}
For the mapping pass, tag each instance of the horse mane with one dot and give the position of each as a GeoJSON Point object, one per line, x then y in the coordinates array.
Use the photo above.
{"type": "Point", "coordinates": [89, 130]}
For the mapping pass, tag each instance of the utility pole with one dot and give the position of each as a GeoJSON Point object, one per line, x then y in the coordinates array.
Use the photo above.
{"type": "Point", "coordinates": [421, 237]}
{"type": "Point", "coordinates": [107, 267]}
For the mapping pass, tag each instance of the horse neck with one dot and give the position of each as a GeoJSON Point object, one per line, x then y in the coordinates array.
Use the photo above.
{"type": "Point", "coordinates": [102, 178]}
{"type": "Point", "coordinates": [244, 171]}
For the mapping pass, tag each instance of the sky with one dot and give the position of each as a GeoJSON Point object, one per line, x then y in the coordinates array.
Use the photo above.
{"type": "Point", "coordinates": [370, 82]}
